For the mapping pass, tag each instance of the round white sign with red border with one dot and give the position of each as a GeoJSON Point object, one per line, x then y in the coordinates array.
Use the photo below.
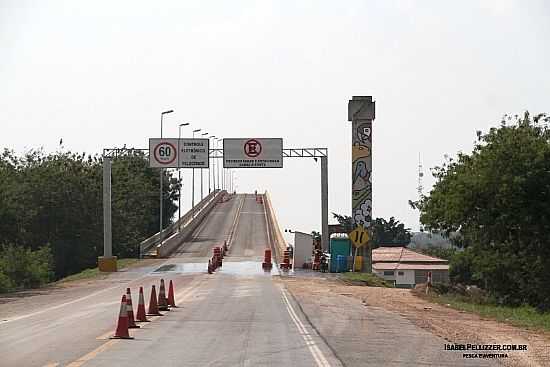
{"type": "Point", "coordinates": [165, 153]}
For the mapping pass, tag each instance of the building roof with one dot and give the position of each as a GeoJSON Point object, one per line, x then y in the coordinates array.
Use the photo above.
{"type": "Point", "coordinates": [401, 266]}
{"type": "Point", "coordinates": [402, 255]}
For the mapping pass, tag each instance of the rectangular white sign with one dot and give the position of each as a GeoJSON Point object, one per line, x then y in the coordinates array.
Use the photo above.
{"type": "Point", "coordinates": [194, 153]}
{"type": "Point", "coordinates": [253, 153]}
{"type": "Point", "coordinates": [187, 153]}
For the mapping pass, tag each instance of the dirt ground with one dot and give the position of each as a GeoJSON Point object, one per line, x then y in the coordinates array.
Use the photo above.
{"type": "Point", "coordinates": [452, 325]}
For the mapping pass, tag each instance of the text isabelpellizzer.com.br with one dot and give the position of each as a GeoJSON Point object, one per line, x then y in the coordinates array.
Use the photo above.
{"type": "Point", "coordinates": [480, 350]}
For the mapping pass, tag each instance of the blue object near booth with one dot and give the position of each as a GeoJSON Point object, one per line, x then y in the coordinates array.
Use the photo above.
{"type": "Point", "coordinates": [340, 249]}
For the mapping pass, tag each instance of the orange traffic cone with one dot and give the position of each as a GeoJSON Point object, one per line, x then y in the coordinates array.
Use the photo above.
{"type": "Point", "coordinates": [171, 300]}
{"type": "Point", "coordinates": [130, 307]}
{"type": "Point", "coordinates": [153, 307]}
{"type": "Point", "coordinates": [163, 303]}
{"type": "Point", "coordinates": [140, 315]}
{"type": "Point", "coordinates": [121, 331]}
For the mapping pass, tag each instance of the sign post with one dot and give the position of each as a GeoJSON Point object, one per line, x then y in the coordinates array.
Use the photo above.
{"type": "Point", "coordinates": [253, 153]}
{"type": "Point", "coordinates": [359, 237]}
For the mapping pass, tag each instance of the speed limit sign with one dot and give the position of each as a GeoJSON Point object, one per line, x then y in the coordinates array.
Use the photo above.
{"type": "Point", "coordinates": [163, 153]}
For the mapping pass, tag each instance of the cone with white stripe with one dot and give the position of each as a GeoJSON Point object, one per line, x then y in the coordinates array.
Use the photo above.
{"type": "Point", "coordinates": [171, 299]}
{"type": "Point", "coordinates": [140, 315]}
{"type": "Point", "coordinates": [130, 307]}
{"type": "Point", "coordinates": [163, 303]}
{"type": "Point", "coordinates": [121, 331]}
{"type": "Point", "coordinates": [153, 306]}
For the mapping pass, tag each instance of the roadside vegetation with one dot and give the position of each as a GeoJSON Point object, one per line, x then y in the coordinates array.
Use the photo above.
{"type": "Point", "coordinates": [496, 202]}
{"type": "Point", "coordinates": [94, 272]}
{"type": "Point", "coordinates": [484, 306]}
{"type": "Point", "coordinates": [51, 216]}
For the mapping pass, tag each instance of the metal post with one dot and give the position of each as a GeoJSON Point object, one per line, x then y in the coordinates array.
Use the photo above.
{"type": "Point", "coordinates": [202, 195]}
{"type": "Point", "coordinates": [214, 164]}
{"type": "Point", "coordinates": [361, 112]}
{"type": "Point", "coordinates": [107, 224]}
{"type": "Point", "coordinates": [160, 215]}
{"type": "Point", "coordinates": [218, 173]}
{"type": "Point", "coordinates": [324, 204]}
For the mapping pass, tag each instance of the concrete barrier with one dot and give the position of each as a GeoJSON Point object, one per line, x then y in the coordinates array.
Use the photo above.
{"type": "Point", "coordinates": [188, 223]}
{"type": "Point", "coordinates": [172, 243]}
{"type": "Point", "coordinates": [277, 239]}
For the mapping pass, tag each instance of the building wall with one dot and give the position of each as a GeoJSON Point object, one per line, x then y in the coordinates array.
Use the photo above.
{"type": "Point", "coordinates": [406, 279]}
{"type": "Point", "coordinates": [303, 247]}
{"type": "Point", "coordinates": [438, 276]}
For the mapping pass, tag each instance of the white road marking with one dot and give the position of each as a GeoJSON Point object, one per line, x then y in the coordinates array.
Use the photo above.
{"type": "Point", "coordinates": [317, 354]}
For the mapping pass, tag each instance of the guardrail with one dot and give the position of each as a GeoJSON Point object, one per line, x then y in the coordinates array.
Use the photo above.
{"type": "Point", "coordinates": [147, 247]}
{"type": "Point", "coordinates": [278, 242]}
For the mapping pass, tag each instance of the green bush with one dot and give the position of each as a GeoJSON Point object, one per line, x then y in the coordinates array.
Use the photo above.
{"type": "Point", "coordinates": [23, 268]}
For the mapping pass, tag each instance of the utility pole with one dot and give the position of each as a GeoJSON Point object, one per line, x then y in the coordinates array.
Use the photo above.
{"type": "Point", "coordinates": [179, 174]}
{"type": "Point", "coordinates": [193, 184]}
{"type": "Point", "coordinates": [161, 176]}
{"type": "Point", "coordinates": [202, 195]}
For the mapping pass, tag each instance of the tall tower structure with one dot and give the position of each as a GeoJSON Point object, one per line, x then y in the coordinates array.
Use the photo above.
{"type": "Point", "coordinates": [361, 113]}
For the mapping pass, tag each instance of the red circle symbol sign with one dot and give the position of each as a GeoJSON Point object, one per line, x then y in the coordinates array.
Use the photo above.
{"type": "Point", "coordinates": [165, 153]}
{"type": "Point", "coordinates": [252, 148]}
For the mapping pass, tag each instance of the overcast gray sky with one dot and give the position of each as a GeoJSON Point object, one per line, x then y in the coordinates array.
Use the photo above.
{"type": "Point", "coordinates": [98, 74]}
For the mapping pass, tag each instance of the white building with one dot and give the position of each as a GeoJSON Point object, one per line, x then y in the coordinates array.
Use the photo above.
{"type": "Point", "coordinates": [406, 268]}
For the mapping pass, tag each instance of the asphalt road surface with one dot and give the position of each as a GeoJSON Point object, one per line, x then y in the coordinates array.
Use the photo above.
{"type": "Point", "coordinates": [238, 316]}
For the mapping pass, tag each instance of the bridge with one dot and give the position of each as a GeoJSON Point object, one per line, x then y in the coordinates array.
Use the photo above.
{"type": "Point", "coordinates": [217, 288]}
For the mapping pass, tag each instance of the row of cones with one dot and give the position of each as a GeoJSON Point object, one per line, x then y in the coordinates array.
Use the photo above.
{"type": "Point", "coordinates": [126, 318]}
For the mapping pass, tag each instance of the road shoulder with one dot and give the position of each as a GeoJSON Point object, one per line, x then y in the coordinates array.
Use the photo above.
{"type": "Point", "coordinates": [353, 319]}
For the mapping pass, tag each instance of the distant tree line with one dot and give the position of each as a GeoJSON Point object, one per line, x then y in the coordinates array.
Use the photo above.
{"type": "Point", "coordinates": [51, 215]}
{"type": "Point", "coordinates": [497, 200]}
{"type": "Point", "coordinates": [383, 232]}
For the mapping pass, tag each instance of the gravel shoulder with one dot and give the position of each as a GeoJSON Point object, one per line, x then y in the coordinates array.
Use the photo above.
{"type": "Point", "coordinates": [356, 320]}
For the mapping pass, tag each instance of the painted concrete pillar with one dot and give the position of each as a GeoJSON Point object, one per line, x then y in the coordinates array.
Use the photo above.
{"type": "Point", "coordinates": [361, 112]}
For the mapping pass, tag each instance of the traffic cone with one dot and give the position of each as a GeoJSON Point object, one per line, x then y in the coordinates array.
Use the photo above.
{"type": "Point", "coordinates": [171, 300]}
{"type": "Point", "coordinates": [121, 331]}
{"type": "Point", "coordinates": [140, 315]}
{"type": "Point", "coordinates": [130, 307]}
{"type": "Point", "coordinates": [153, 307]}
{"type": "Point", "coordinates": [163, 304]}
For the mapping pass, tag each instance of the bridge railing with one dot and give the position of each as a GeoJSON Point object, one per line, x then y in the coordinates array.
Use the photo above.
{"type": "Point", "coordinates": [147, 247]}
{"type": "Point", "coordinates": [276, 237]}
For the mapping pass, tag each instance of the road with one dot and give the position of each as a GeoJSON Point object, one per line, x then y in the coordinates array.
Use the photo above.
{"type": "Point", "coordinates": [238, 316]}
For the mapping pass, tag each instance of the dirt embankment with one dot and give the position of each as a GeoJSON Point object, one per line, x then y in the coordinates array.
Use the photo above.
{"type": "Point", "coordinates": [452, 325]}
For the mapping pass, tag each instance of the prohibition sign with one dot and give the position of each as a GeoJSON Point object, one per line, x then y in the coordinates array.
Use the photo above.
{"type": "Point", "coordinates": [165, 153]}
{"type": "Point", "coordinates": [252, 148]}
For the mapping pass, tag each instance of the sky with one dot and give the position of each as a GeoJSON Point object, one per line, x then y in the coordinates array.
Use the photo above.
{"type": "Point", "coordinates": [98, 73]}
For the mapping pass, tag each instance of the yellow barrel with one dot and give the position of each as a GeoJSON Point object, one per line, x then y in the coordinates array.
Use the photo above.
{"type": "Point", "coordinates": [358, 263]}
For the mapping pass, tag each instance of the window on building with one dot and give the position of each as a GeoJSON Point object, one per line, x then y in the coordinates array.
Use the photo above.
{"type": "Point", "coordinates": [400, 273]}
{"type": "Point", "coordinates": [388, 272]}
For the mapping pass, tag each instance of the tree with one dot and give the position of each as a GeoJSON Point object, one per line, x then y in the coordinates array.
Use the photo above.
{"type": "Point", "coordinates": [390, 232]}
{"type": "Point", "coordinates": [382, 231]}
{"type": "Point", "coordinates": [497, 198]}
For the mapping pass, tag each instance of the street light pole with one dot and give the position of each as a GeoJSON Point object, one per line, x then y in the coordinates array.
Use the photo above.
{"type": "Point", "coordinates": [214, 164]}
{"type": "Point", "coordinates": [218, 173]}
{"type": "Point", "coordinates": [161, 175]}
{"type": "Point", "coordinates": [179, 174]}
{"type": "Point", "coordinates": [202, 195]}
{"type": "Point", "coordinates": [193, 184]}
{"type": "Point", "coordinates": [209, 187]}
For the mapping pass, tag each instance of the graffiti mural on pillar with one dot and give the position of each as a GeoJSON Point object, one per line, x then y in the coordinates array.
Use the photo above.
{"type": "Point", "coordinates": [362, 171]}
